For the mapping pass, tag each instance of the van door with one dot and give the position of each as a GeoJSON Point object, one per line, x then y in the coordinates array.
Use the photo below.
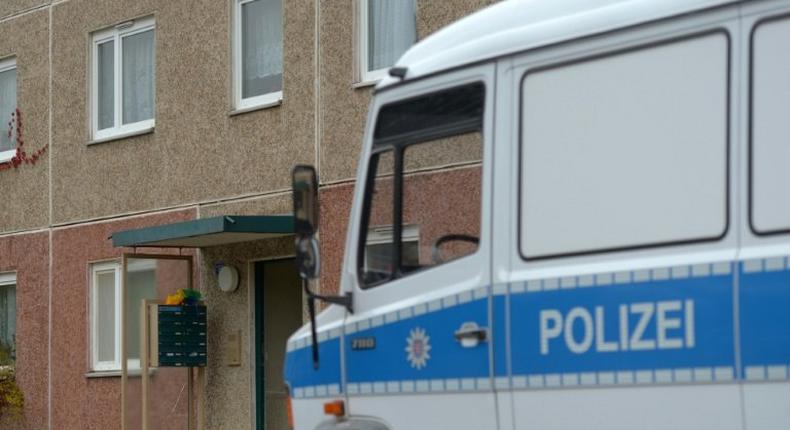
{"type": "Point", "coordinates": [764, 272]}
{"type": "Point", "coordinates": [417, 348]}
{"type": "Point", "coordinates": [620, 304]}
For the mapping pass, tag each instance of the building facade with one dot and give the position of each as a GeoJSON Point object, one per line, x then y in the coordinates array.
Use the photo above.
{"type": "Point", "coordinates": [128, 114]}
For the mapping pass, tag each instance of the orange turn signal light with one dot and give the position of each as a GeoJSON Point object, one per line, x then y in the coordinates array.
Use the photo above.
{"type": "Point", "coordinates": [336, 408]}
{"type": "Point", "coordinates": [289, 412]}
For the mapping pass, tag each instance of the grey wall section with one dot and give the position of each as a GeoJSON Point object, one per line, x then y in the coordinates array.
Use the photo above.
{"type": "Point", "coordinates": [198, 151]}
{"type": "Point", "coordinates": [24, 191]}
{"type": "Point", "coordinates": [15, 7]}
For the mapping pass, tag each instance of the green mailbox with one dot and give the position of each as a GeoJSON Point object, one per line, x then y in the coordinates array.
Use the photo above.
{"type": "Point", "coordinates": [181, 336]}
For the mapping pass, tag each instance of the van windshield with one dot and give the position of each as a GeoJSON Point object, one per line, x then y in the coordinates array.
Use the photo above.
{"type": "Point", "coordinates": [422, 198]}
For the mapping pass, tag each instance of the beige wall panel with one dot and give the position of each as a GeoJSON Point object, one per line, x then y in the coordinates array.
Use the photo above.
{"type": "Point", "coordinates": [432, 15]}
{"type": "Point", "coordinates": [14, 7]}
{"type": "Point", "coordinates": [344, 109]}
{"type": "Point", "coordinates": [279, 204]}
{"type": "Point", "coordinates": [229, 395]}
{"type": "Point", "coordinates": [24, 191]}
{"type": "Point", "coordinates": [198, 151]}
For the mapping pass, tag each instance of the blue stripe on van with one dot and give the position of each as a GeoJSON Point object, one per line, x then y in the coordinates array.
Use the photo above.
{"type": "Point", "coordinates": [674, 323]}
{"type": "Point", "coordinates": [765, 319]}
{"type": "Point", "coordinates": [304, 379]}
{"type": "Point", "coordinates": [571, 358]}
{"type": "Point", "coordinates": [389, 360]}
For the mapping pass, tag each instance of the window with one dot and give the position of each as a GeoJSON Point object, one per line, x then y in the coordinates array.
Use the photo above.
{"type": "Point", "coordinates": [423, 193]}
{"type": "Point", "coordinates": [7, 319]}
{"type": "Point", "coordinates": [7, 109]}
{"type": "Point", "coordinates": [627, 150]}
{"type": "Point", "coordinates": [106, 311]}
{"type": "Point", "coordinates": [378, 248]}
{"type": "Point", "coordinates": [257, 53]}
{"type": "Point", "coordinates": [387, 28]}
{"type": "Point", "coordinates": [105, 315]}
{"type": "Point", "coordinates": [123, 80]}
{"type": "Point", "coordinates": [769, 149]}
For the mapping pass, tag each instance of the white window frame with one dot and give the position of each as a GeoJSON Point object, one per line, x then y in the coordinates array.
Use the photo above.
{"type": "Point", "coordinates": [96, 269]}
{"type": "Point", "coordinates": [6, 65]}
{"type": "Point", "coordinates": [239, 103]}
{"type": "Point", "coordinates": [7, 279]}
{"type": "Point", "coordinates": [364, 75]}
{"type": "Point", "coordinates": [384, 234]}
{"type": "Point", "coordinates": [117, 34]}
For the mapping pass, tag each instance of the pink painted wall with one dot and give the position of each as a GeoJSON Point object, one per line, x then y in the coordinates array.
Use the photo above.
{"type": "Point", "coordinates": [79, 402]}
{"type": "Point", "coordinates": [28, 255]}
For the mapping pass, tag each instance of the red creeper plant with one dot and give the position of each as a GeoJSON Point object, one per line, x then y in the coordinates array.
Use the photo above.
{"type": "Point", "coordinates": [21, 157]}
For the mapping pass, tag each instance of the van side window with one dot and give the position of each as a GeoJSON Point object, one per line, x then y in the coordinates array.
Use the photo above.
{"type": "Point", "coordinates": [770, 128]}
{"type": "Point", "coordinates": [626, 150]}
{"type": "Point", "coordinates": [422, 199]}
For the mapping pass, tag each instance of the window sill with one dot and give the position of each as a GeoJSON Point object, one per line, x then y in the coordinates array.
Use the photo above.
{"type": "Point", "coordinates": [120, 136]}
{"type": "Point", "coordinates": [115, 373]}
{"type": "Point", "coordinates": [261, 106]}
{"type": "Point", "coordinates": [103, 374]}
{"type": "Point", "coordinates": [367, 83]}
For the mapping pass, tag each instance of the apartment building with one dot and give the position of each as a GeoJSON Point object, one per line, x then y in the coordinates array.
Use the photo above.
{"type": "Point", "coordinates": [156, 116]}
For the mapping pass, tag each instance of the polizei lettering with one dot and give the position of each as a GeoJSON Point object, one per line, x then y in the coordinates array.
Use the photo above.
{"type": "Point", "coordinates": [640, 327]}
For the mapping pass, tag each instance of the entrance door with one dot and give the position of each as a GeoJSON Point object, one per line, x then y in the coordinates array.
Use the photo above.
{"type": "Point", "coordinates": [278, 313]}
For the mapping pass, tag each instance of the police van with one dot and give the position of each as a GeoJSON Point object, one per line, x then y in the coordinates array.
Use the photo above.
{"type": "Point", "coordinates": [568, 214]}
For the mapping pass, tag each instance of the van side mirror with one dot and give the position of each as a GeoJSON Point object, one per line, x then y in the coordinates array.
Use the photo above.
{"type": "Point", "coordinates": [304, 181]}
{"type": "Point", "coordinates": [305, 211]}
{"type": "Point", "coordinates": [305, 195]}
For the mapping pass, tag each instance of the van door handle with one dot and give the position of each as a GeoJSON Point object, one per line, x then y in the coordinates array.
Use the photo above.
{"type": "Point", "coordinates": [470, 334]}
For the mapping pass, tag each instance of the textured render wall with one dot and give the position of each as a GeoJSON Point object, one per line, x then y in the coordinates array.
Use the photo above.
{"type": "Point", "coordinates": [13, 7]}
{"type": "Point", "coordinates": [344, 108]}
{"type": "Point", "coordinates": [24, 191]}
{"type": "Point", "coordinates": [79, 402]}
{"type": "Point", "coordinates": [28, 255]}
{"type": "Point", "coordinates": [229, 396]}
{"type": "Point", "coordinates": [197, 152]}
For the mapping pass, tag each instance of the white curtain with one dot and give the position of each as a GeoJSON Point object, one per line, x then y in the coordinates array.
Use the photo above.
{"type": "Point", "coordinates": [392, 29]}
{"type": "Point", "coordinates": [105, 316]}
{"type": "Point", "coordinates": [261, 47]}
{"type": "Point", "coordinates": [106, 84]}
{"type": "Point", "coordinates": [8, 319]}
{"type": "Point", "coordinates": [7, 107]}
{"type": "Point", "coordinates": [138, 77]}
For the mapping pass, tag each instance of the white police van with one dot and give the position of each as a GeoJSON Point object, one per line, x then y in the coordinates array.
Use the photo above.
{"type": "Point", "coordinates": [569, 214]}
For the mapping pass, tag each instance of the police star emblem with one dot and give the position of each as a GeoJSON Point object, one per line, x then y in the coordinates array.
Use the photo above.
{"type": "Point", "coordinates": [417, 348]}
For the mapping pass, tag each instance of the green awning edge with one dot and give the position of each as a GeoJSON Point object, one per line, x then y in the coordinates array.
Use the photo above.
{"type": "Point", "coordinates": [152, 236]}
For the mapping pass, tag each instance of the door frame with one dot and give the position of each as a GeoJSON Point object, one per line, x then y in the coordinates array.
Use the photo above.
{"type": "Point", "coordinates": [256, 281]}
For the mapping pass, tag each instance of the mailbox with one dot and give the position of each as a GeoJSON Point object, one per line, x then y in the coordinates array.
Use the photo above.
{"type": "Point", "coordinates": [178, 336]}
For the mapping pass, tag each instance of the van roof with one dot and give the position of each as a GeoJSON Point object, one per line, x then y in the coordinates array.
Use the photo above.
{"type": "Point", "coordinates": [517, 25]}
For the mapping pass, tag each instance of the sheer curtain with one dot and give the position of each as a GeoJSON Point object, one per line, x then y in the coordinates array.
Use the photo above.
{"type": "Point", "coordinates": [261, 47]}
{"type": "Point", "coordinates": [138, 77]}
{"type": "Point", "coordinates": [106, 84]}
{"type": "Point", "coordinates": [7, 107]}
{"type": "Point", "coordinates": [392, 29]}
{"type": "Point", "coordinates": [8, 319]}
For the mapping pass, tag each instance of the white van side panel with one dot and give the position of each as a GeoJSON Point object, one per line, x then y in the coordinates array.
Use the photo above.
{"type": "Point", "coordinates": [702, 407]}
{"type": "Point", "coordinates": [770, 83]}
{"type": "Point", "coordinates": [764, 287]}
{"type": "Point", "coordinates": [644, 337]}
{"type": "Point", "coordinates": [626, 149]}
